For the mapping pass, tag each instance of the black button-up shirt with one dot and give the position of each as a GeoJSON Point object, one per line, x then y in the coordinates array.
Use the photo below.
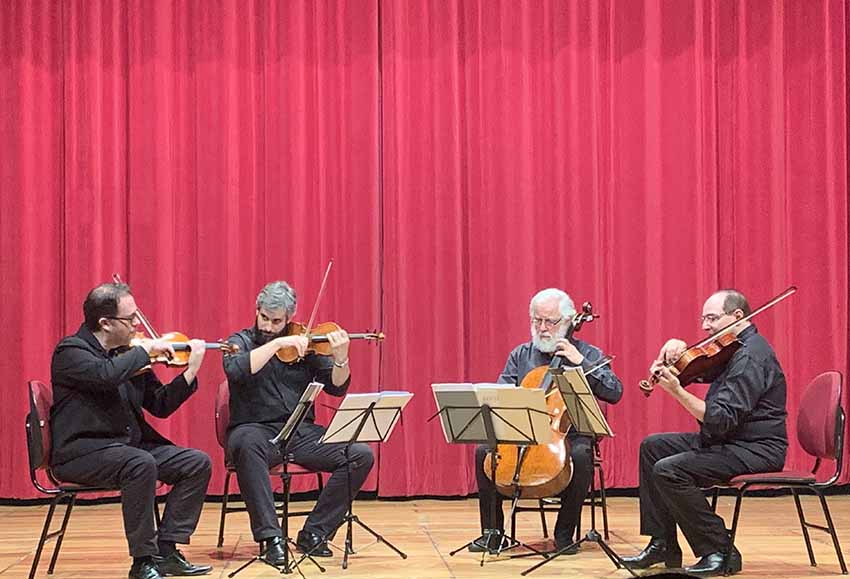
{"type": "Point", "coordinates": [525, 358]}
{"type": "Point", "coordinates": [98, 402]}
{"type": "Point", "coordinates": [271, 395]}
{"type": "Point", "coordinates": [745, 406]}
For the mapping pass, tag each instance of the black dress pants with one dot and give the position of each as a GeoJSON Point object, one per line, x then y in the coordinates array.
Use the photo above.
{"type": "Point", "coordinates": [135, 471]}
{"type": "Point", "coordinates": [674, 468]}
{"type": "Point", "coordinates": [572, 497]}
{"type": "Point", "coordinates": [252, 454]}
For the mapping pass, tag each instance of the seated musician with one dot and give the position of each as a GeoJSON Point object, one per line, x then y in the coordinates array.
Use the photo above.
{"type": "Point", "coordinates": [264, 391]}
{"type": "Point", "coordinates": [551, 311]}
{"type": "Point", "coordinates": [742, 430]}
{"type": "Point", "coordinates": [100, 436]}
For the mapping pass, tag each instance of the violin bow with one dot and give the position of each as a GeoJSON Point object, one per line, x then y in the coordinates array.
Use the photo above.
{"type": "Point", "coordinates": [147, 325]}
{"type": "Point", "coordinates": [312, 319]}
{"type": "Point", "coordinates": [791, 290]}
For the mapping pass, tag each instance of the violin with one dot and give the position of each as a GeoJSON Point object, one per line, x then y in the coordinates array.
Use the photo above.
{"type": "Point", "coordinates": [179, 342]}
{"type": "Point", "coordinates": [705, 361]}
{"type": "Point", "coordinates": [318, 340]}
{"type": "Point", "coordinates": [544, 469]}
{"type": "Point", "coordinates": [317, 335]}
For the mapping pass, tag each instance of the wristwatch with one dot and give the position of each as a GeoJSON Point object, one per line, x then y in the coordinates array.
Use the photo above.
{"type": "Point", "coordinates": [342, 364]}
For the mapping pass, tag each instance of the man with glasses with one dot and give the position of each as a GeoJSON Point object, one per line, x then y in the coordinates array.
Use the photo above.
{"type": "Point", "coordinates": [551, 311]}
{"type": "Point", "coordinates": [742, 431]}
{"type": "Point", "coordinates": [101, 438]}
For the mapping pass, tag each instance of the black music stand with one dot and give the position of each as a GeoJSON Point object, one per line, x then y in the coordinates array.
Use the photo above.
{"type": "Point", "coordinates": [283, 440]}
{"type": "Point", "coordinates": [358, 423]}
{"type": "Point", "coordinates": [583, 410]}
{"type": "Point", "coordinates": [468, 417]}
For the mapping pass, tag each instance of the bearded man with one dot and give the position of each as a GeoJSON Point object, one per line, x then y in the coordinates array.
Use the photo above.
{"type": "Point", "coordinates": [264, 391]}
{"type": "Point", "coordinates": [551, 311]}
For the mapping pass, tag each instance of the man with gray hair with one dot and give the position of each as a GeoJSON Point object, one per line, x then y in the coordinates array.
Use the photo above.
{"type": "Point", "coordinates": [264, 391]}
{"type": "Point", "coordinates": [551, 311]}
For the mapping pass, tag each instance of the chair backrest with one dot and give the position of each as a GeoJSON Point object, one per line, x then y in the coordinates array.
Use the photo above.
{"type": "Point", "coordinates": [222, 412]}
{"type": "Point", "coordinates": [38, 428]}
{"type": "Point", "coordinates": [820, 420]}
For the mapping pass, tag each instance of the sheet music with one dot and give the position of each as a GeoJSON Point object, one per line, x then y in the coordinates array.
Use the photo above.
{"type": "Point", "coordinates": [463, 401]}
{"type": "Point", "coordinates": [307, 398]}
{"type": "Point", "coordinates": [580, 403]}
{"type": "Point", "coordinates": [378, 426]}
{"type": "Point", "coordinates": [512, 421]}
{"type": "Point", "coordinates": [461, 411]}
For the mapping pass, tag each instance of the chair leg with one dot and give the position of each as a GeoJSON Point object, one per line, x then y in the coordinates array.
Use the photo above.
{"type": "Point", "coordinates": [60, 536]}
{"type": "Point", "coordinates": [223, 509]}
{"type": "Point", "coordinates": [156, 515]}
{"type": "Point", "coordinates": [542, 506]}
{"type": "Point", "coordinates": [44, 532]}
{"type": "Point", "coordinates": [734, 530]}
{"type": "Point", "coordinates": [832, 532]}
{"type": "Point", "coordinates": [804, 526]}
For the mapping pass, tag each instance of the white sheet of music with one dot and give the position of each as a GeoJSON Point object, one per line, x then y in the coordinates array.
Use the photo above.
{"type": "Point", "coordinates": [462, 420]}
{"type": "Point", "coordinates": [378, 426]}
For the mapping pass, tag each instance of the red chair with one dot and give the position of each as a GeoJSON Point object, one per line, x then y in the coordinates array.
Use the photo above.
{"type": "Point", "coordinates": [222, 420]}
{"type": "Point", "coordinates": [38, 445]}
{"type": "Point", "coordinates": [820, 431]}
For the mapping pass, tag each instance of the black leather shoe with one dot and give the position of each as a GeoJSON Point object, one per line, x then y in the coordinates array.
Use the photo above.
{"type": "Point", "coordinates": [489, 542]}
{"type": "Point", "coordinates": [144, 569]}
{"type": "Point", "coordinates": [273, 551]}
{"type": "Point", "coordinates": [176, 564]}
{"type": "Point", "coordinates": [562, 542]}
{"type": "Point", "coordinates": [313, 545]}
{"type": "Point", "coordinates": [657, 551]}
{"type": "Point", "coordinates": [715, 564]}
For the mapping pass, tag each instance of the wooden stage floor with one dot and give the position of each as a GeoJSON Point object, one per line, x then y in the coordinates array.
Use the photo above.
{"type": "Point", "coordinates": [770, 540]}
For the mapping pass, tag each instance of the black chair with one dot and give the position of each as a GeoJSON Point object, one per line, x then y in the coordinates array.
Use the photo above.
{"type": "Point", "coordinates": [222, 420]}
{"type": "Point", "coordinates": [594, 499]}
{"type": "Point", "coordinates": [820, 431]}
{"type": "Point", "coordinates": [38, 445]}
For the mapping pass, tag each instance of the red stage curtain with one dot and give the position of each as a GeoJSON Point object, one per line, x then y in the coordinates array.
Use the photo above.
{"type": "Point", "coordinates": [453, 157]}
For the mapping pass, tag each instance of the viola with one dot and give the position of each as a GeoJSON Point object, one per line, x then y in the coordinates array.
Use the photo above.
{"type": "Point", "coordinates": [705, 361]}
{"type": "Point", "coordinates": [545, 469]}
{"type": "Point", "coordinates": [318, 340]}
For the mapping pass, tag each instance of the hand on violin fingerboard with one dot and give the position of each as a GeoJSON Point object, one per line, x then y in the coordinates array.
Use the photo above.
{"type": "Point", "coordinates": [671, 351]}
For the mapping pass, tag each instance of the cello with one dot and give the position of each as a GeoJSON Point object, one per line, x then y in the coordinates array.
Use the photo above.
{"type": "Point", "coordinates": [540, 470]}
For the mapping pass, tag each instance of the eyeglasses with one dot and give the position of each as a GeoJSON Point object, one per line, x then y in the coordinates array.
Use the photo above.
{"type": "Point", "coordinates": [131, 319]}
{"type": "Point", "coordinates": [545, 322]}
{"type": "Point", "coordinates": [711, 318]}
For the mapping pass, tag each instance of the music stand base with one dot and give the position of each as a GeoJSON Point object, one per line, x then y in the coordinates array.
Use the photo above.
{"type": "Point", "coordinates": [505, 544]}
{"type": "Point", "coordinates": [290, 565]}
{"type": "Point", "coordinates": [592, 536]}
{"type": "Point", "coordinates": [348, 549]}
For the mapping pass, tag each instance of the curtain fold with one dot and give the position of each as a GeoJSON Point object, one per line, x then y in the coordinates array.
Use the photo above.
{"type": "Point", "coordinates": [453, 158]}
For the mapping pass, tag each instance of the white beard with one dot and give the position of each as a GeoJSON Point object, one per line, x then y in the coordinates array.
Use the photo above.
{"type": "Point", "coordinates": [550, 344]}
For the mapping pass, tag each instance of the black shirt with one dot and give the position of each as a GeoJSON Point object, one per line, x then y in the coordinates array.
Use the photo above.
{"type": "Point", "coordinates": [97, 400]}
{"type": "Point", "coordinates": [745, 406]}
{"type": "Point", "coordinates": [271, 395]}
{"type": "Point", "coordinates": [525, 358]}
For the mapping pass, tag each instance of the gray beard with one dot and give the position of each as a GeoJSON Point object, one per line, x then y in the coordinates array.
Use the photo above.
{"type": "Point", "coordinates": [547, 345]}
